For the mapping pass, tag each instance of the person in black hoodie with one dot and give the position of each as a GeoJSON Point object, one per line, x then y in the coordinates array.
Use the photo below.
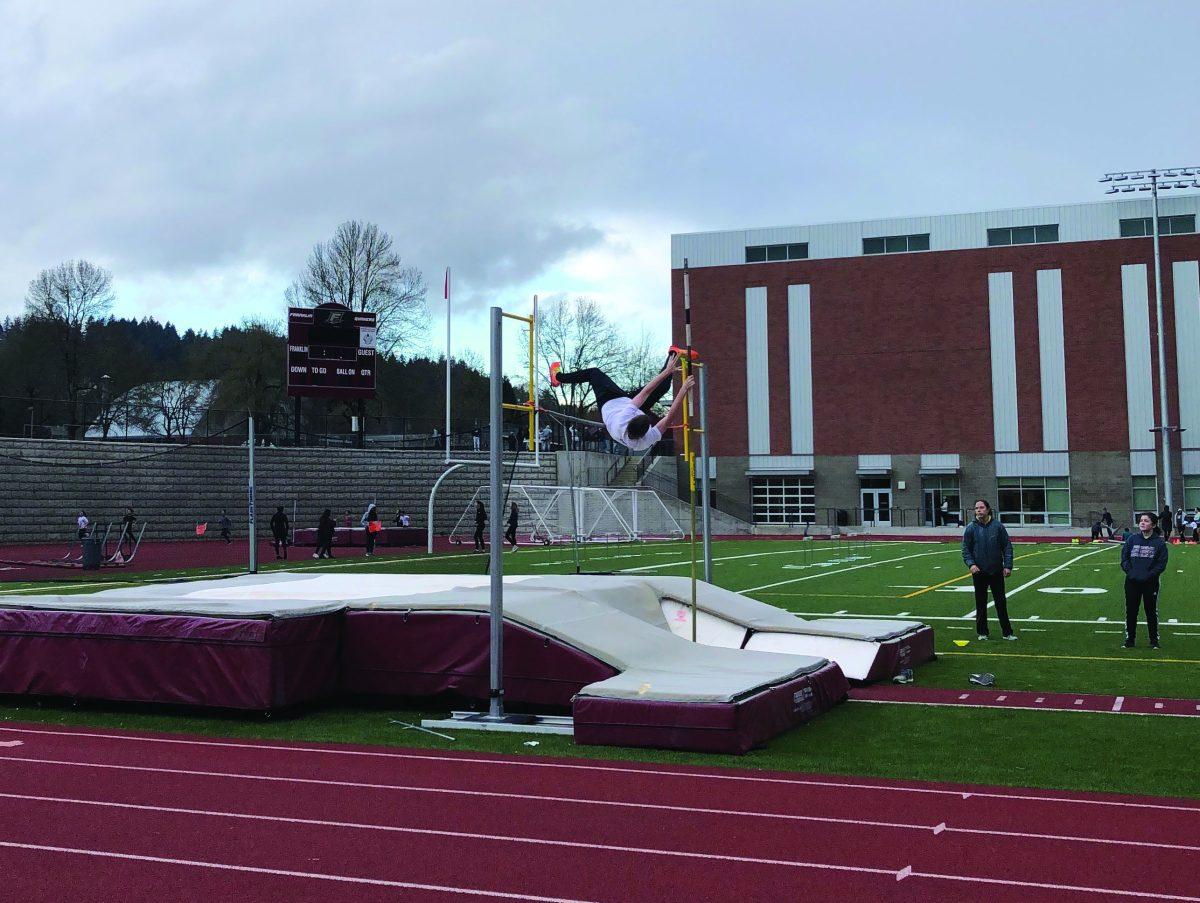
{"type": "Point", "coordinates": [279, 532]}
{"type": "Point", "coordinates": [988, 553]}
{"type": "Point", "coordinates": [325, 527]}
{"type": "Point", "coordinates": [480, 520]}
{"type": "Point", "coordinates": [1143, 559]}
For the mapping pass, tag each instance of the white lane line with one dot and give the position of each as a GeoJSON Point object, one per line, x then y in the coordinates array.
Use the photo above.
{"type": "Point", "coordinates": [285, 873]}
{"type": "Point", "coordinates": [1013, 882]}
{"type": "Point", "coordinates": [571, 766]}
{"type": "Point", "coordinates": [506, 838]}
{"type": "Point", "coordinates": [11, 743]}
{"type": "Point", "coordinates": [1054, 570]}
{"type": "Point", "coordinates": [1117, 703]}
{"type": "Point", "coordinates": [407, 788]}
{"type": "Point", "coordinates": [830, 573]}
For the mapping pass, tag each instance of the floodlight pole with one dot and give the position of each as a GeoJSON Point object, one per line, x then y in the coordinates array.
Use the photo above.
{"type": "Point", "coordinates": [1151, 180]}
{"type": "Point", "coordinates": [1164, 419]}
{"type": "Point", "coordinates": [496, 500]}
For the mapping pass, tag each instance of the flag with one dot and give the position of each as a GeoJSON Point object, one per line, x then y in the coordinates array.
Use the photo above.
{"type": "Point", "coordinates": [201, 529]}
{"type": "Point", "coordinates": [447, 293]}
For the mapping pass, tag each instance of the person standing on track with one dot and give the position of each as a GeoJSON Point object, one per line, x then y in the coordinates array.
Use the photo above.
{"type": "Point", "coordinates": [128, 525]}
{"type": "Point", "coordinates": [226, 526]}
{"type": "Point", "coordinates": [279, 532]}
{"type": "Point", "coordinates": [987, 551]}
{"type": "Point", "coordinates": [511, 533]}
{"type": "Point", "coordinates": [629, 418]}
{"type": "Point", "coordinates": [325, 529]}
{"type": "Point", "coordinates": [480, 520]}
{"type": "Point", "coordinates": [1143, 559]}
{"type": "Point", "coordinates": [81, 525]}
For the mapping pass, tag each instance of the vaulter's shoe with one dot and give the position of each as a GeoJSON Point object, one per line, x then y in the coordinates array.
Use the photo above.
{"type": "Point", "coordinates": [554, 370]}
{"type": "Point", "coordinates": [682, 352]}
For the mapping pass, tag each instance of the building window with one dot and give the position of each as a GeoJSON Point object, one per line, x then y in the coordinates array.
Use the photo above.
{"type": "Point", "coordinates": [784, 500]}
{"type": "Point", "coordinates": [1145, 493]}
{"type": "Point", "coordinates": [761, 253]}
{"type": "Point", "coordinates": [940, 502]}
{"type": "Point", "coordinates": [1191, 494]}
{"type": "Point", "coordinates": [1035, 500]}
{"type": "Point", "coordinates": [896, 244]}
{"type": "Point", "coordinates": [1023, 235]}
{"type": "Point", "coordinates": [1167, 225]}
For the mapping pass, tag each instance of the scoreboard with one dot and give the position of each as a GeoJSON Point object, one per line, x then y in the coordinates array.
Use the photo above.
{"type": "Point", "coordinates": [331, 352]}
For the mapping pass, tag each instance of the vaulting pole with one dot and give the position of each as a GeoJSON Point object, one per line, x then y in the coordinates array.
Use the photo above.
{"type": "Point", "coordinates": [705, 495]}
{"type": "Point", "coordinates": [688, 455]}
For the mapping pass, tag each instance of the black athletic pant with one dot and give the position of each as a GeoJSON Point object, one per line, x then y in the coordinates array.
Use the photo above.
{"type": "Point", "coordinates": [478, 537]}
{"type": "Point", "coordinates": [510, 535]}
{"type": "Point", "coordinates": [984, 581]}
{"type": "Point", "coordinates": [1140, 593]}
{"type": "Point", "coordinates": [606, 390]}
{"type": "Point", "coordinates": [280, 542]}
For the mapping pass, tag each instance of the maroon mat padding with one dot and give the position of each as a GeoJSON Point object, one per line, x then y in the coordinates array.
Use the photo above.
{"type": "Point", "coordinates": [237, 663]}
{"type": "Point", "coordinates": [98, 815]}
{"type": "Point", "coordinates": [904, 652]}
{"type": "Point", "coordinates": [422, 653]}
{"type": "Point", "coordinates": [734, 727]}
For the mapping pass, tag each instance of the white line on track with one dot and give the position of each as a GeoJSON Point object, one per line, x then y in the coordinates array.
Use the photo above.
{"type": "Point", "coordinates": [280, 873]}
{"type": "Point", "coordinates": [1021, 708]}
{"type": "Point", "coordinates": [612, 848]}
{"type": "Point", "coordinates": [924, 617]}
{"type": "Point", "coordinates": [856, 567]}
{"type": "Point", "coordinates": [1041, 577]}
{"type": "Point", "coordinates": [331, 823]}
{"type": "Point", "coordinates": [608, 769]}
{"type": "Point", "coordinates": [407, 788]}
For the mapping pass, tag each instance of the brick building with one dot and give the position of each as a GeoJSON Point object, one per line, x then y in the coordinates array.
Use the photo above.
{"type": "Point", "coordinates": [885, 367]}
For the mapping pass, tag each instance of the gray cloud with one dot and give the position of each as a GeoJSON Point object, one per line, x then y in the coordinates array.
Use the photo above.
{"type": "Point", "coordinates": [179, 141]}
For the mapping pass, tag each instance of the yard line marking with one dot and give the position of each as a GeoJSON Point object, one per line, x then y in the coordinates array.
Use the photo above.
{"type": "Point", "coordinates": [1101, 619]}
{"type": "Point", "coordinates": [1120, 701]}
{"type": "Point", "coordinates": [856, 567]}
{"type": "Point", "coordinates": [1080, 658]}
{"type": "Point", "coordinates": [671, 564]}
{"type": "Point", "coordinates": [842, 612]}
{"type": "Point", "coordinates": [1042, 577]}
{"type": "Point", "coordinates": [877, 616]}
{"type": "Point", "coordinates": [287, 873]}
{"type": "Point", "coordinates": [1020, 708]}
{"type": "Point", "coordinates": [572, 766]}
{"type": "Point", "coordinates": [968, 574]}
{"type": "Point", "coordinates": [902, 614]}
{"type": "Point", "coordinates": [1172, 620]}
{"type": "Point", "coordinates": [1034, 617]}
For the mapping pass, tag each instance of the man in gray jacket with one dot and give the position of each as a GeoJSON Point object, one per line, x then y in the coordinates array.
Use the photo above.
{"type": "Point", "coordinates": [988, 552]}
{"type": "Point", "coordinates": [1143, 559]}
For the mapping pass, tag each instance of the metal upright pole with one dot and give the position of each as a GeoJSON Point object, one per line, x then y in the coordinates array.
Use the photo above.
{"type": "Point", "coordinates": [688, 455]}
{"type": "Point", "coordinates": [705, 508]}
{"type": "Point", "coordinates": [495, 460]}
{"type": "Point", "coordinates": [447, 365]}
{"type": "Point", "coordinates": [1163, 417]}
{"type": "Point", "coordinates": [250, 495]}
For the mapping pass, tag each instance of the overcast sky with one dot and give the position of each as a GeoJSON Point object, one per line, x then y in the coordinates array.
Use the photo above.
{"type": "Point", "coordinates": [199, 149]}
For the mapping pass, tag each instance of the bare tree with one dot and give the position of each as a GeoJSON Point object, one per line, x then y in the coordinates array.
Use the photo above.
{"type": "Point", "coordinates": [67, 297]}
{"type": "Point", "coordinates": [579, 335]}
{"type": "Point", "coordinates": [169, 408]}
{"type": "Point", "coordinates": [359, 268]}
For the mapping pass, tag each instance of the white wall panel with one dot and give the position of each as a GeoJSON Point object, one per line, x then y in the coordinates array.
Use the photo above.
{"type": "Point", "coordinates": [939, 463]}
{"type": "Point", "coordinates": [800, 392]}
{"type": "Point", "coordinates": [1076, 222]}
{"type": "Point", "coordinates": [1051, 351]}
{"type": "Point", "coordinates": [780, 464]}
{"type": "Point", "coordinates": [758, 383]}
{"type": "Point", "coordinates": [1033, 464]}
{"type": "Point", "coordinates": [1139, 385]}
{"type": "Point", "coordinates": [1004, 361]}
{"type": "Point", "coordinates": [1185, 275]}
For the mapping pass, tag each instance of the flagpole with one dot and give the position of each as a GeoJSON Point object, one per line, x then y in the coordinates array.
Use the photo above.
{"type": "Point", "coordinates": [447, 293]}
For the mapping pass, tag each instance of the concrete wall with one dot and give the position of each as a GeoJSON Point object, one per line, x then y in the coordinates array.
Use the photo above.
{"type": "Point", "coordinates": [173, 488]}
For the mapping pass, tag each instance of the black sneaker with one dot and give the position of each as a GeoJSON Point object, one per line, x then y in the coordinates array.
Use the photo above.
{"type": "Point", "coordinates": [1154, 645]}
{"type": "Point", "coordinates": [1127, 646]}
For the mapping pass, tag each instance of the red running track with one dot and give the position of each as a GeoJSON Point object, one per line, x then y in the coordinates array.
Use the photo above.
{"type": "Point", "coordinates": [101, 815]}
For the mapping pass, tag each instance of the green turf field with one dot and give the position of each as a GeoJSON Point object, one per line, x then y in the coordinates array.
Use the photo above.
{"type": "Point", "coordinates": [1067, 607]}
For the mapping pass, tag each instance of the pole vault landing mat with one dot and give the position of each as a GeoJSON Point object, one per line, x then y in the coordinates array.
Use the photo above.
{"type": "Point", "coordinates": [1020, 699]}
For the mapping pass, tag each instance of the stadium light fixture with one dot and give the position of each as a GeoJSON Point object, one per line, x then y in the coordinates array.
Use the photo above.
{"type": "Point", "coordinates": [1151, 180]}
